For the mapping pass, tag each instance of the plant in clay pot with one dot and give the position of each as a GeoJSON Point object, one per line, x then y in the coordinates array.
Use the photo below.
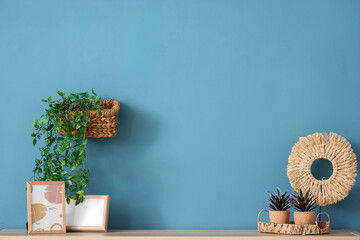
{"type": "Point", "coordinates": [304, 204]}
{"type": "Point", "coordinates": [279, 203]}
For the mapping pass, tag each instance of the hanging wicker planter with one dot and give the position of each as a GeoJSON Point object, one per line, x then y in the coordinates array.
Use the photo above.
{"type": "Point", "coordinates": [104, 126]}
{"type": "Point", "coordinates": [332, 147]}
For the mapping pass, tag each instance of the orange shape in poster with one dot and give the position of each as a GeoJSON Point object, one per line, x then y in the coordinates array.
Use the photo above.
{"type": "Point", "coordinates": [38, 211]}
{"type": "Point", "coordinates": [54, 226]}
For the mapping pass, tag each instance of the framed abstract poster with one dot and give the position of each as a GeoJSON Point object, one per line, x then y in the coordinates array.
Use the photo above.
{"type": "Point", "coordinates": [46, 207]}
{"type": "Point", "coordinates": [90, 215]}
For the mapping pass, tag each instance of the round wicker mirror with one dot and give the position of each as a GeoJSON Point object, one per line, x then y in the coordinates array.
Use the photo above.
{"type": "Point", "coordinates": [332, 147]}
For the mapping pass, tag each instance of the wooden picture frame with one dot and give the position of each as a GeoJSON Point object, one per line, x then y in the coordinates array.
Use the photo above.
{"type": "Point", "coordinates": [90, 215]}
{"type": "Point", "coordinates": [46, 207]}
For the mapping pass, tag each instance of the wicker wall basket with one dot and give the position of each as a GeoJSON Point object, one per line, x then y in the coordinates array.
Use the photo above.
{"type": "Point", "coordinates": [295, 229]}
{"type": "Point", "coordinates": [105, 125]}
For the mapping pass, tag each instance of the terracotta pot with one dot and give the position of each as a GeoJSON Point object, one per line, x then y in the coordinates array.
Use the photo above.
{"type": "Point", "coordinates": [279, 216]}
{"type": "Point", "coordinates": [304, 218]}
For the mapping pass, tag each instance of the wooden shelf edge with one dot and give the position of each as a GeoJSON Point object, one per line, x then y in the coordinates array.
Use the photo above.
{"type": "Point", "coordinates": [20, 234]}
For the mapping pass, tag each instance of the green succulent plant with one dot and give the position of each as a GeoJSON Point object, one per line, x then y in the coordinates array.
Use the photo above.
{"type": "Point", "coordinates": [62, 157]}
{"type": "Point", "coordinates": [279, 201]}
{"type": "Point", "coordinates": [303, 203]}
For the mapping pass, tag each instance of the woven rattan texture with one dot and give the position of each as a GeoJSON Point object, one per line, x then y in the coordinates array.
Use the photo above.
{"type": "Point", "coordinates": [332, 147]}
{"type": "Point", "coordinates": [295, 229]}
{"type": "Point", "coordinates": [104, 126]}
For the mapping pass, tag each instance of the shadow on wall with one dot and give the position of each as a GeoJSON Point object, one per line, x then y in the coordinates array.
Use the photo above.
{"type": "Point", "coordinates": [348, 208]}
{"type": "Point", "coordinates": [118, 168]}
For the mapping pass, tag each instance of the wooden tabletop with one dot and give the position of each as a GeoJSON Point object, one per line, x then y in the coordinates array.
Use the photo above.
{"type": "Point", "coordinates": [177, 235]}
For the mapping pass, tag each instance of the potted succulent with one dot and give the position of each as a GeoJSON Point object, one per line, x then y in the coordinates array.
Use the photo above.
{"type": "Point", "coordinates": [279, 203]}
{"type": "Point", "coordinates": [304, 204]}
{"type": "Point", "coordinates": [62, 157]}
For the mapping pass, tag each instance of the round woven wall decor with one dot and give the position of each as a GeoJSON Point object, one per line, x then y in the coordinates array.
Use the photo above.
{"type": "Point", "coordinates": [332, 147]}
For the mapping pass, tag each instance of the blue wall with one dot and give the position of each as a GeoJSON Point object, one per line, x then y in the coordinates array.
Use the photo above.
{"type": "Point", "coordinates": [213, 96]}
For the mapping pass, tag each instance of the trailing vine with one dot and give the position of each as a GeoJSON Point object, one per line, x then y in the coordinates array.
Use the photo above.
{"type": "Point", "coordinates": [62, 156]}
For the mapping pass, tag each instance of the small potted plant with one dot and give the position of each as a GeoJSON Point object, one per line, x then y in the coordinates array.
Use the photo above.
{"type": "Point", "coordinates": [279, 203]}
{"type": "Point", "coordinates": [304, 204]}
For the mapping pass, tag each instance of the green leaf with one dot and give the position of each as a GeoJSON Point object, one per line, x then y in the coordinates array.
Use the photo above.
{"type": "Point", "coordinates": [63, 163]}
{"type": "Point", "coordinates": [49, 99]}
{"type": "Point", "coordinates": [72, 197]}
{"type": "Point", "coordinates": [80, 192]}
{"type": "Point", "coordinates": [68, 200]}
{"type": "Point", "coordinates": [62, 93]}
{"type": "Point", "coordinates": [32, 134]}
{"type": "Point", "coordinates": [34, 141]}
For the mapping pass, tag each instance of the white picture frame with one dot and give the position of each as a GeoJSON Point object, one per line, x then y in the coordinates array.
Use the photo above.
{"type": "Point", "coordinates": [90, 215]}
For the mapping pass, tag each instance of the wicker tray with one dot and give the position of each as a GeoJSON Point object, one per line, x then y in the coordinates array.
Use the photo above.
{"type": "Point", "coordinates": [105, 125]}
{"type": "Point", "coordinates": [294, 229]}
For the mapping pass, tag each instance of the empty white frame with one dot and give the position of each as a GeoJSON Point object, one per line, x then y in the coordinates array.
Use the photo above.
{"type": "Point", "coordinates": [90, 215]}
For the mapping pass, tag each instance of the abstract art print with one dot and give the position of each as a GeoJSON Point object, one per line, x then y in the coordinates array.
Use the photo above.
{"type": "Point", "coordinates": [46, 207]}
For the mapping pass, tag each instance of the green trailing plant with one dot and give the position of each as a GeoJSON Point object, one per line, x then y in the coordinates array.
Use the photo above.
{"type": "Point", "coordinates": [303, 203]}
{"type": "Point", "coordinates": [62, 157]}
{"type": "Point", "coordinates": [279, 201]}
